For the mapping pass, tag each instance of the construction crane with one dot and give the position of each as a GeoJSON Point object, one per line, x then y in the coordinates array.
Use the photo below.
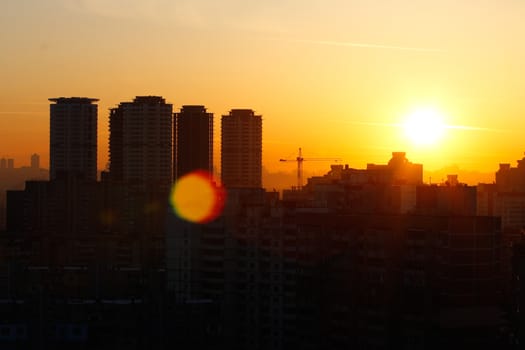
{"type": "Point", "coordinates": [300, 161]}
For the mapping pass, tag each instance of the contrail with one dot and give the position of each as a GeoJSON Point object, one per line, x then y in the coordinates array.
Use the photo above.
{"type": "Point", "coordinates": [375, 123]}
{"type": "Point", "coordinates": [20, 113]}
{"type": "Point", "coordinates": [446, 126]}
{"type": "Point", "coordinates": [368, 46]}
{"type": "Point", "coordinates": [475, 128]}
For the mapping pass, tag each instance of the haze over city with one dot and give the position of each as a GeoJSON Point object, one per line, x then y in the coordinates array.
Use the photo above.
{"type": "Point", "coordinates": [337, 78]}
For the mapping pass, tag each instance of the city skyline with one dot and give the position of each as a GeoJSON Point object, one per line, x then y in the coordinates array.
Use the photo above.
{"type": "Point", "coordinates": [280, 179]}
{"type": "Point", "coordinates": [360, 67]}
{"type": "Point", "coordinates": [424, 134]}
{"type": "Point", "coordinates": [357, 257]}
{"type": "Point", "coordinates": [292, 174]}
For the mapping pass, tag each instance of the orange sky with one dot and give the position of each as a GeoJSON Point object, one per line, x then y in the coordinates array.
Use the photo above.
{"type": "Point", "coordinates": [334, 77]}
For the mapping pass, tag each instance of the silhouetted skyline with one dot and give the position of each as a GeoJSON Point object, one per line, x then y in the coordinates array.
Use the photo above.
{"type": "Point", "coordinates": [357, 257]}
{"type": "Point", "coordinates": [339, 85]}
{"type": "Point", "coordinates": [166, 219]}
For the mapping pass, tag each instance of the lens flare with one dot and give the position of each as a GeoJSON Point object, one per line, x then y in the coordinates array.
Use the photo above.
{"type": "Point", "coordinates": [196, 198]}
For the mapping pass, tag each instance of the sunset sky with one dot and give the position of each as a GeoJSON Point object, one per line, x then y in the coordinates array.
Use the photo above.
{"type": "Point", "coordinates": [335, 77]}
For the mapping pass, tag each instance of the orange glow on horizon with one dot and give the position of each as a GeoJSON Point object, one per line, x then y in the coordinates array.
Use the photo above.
{"type": "Point", "coordinates": [335, 90]}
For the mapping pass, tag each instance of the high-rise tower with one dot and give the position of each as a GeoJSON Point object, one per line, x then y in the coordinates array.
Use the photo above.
{"type": "Point", "coordinates": [140, 143]}
{"type": "Point", "coordinates": [241, 149]}
{"type": "Point", "coordinates": [193, 140]}
{"type": "Point", "coordinates": [73, 137]}
{"type": "Point", "coordinates": [35, 161]}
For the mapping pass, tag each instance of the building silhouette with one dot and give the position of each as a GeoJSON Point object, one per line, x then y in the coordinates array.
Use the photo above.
{"type": "Point", "coordinates": [140, 143]}
{"type": "Point", "coordinates": [399, 170]}
{"type": "Point", "coordinates": [8, 163]}
{"type": "Point", "coordinates": [73, 137]}
{"type": "Point", "coordinates": [193, 140]}
{"type": "Point", "coordinates": [94, 276]}
{"type": "Point", "coordinates": [35, 161]}
{"type": "Point", "coordinates": [395, 281]}
{"type": "Point", "coordinates": [509, 201]}
{"type": "Point", "coordinates": [14, 179]}
{"type": "Point", "coordinates": [241, 149]}
{"type": "Point", "coordinates": [448, 198]}
{"type": "Point", "coordinates": [390, 187]}
{"type": "Point", "coordinates": [358, 258]}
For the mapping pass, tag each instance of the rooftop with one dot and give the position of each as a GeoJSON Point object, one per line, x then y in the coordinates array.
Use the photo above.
{"type": "Point", "coordinates": [73, 100]}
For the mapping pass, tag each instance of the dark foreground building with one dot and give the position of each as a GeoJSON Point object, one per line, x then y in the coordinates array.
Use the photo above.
{"type": "Point", "coordinates": [299, 278]}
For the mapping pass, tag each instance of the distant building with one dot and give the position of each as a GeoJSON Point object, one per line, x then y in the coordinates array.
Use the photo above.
{"type": "Point", "coordinates": [193, 140]}
{"type": "Point", "coordinates": [140, 143]}
{"type": "Point", "coordinates": [511, 179]}
{"type": "Point", "coordinates": [449, 198]}
{"type": "Point", "coordinates": [14, 179]}
{"type": "Point", "coordinates": [241, 149]}
{"type": "Point", "coordinates": [398, 170]}
{"type": "Point", "coordinates": [510, 195]}
{"type": "Point", "coordinates": [486, 194]}
{"type": "Point", "coordinates": [385, 188]}
{"type": "Point", "coordinates": [7, 163]}
{"type": "Point", "coordinates": [35, 161]}
{"type": "Point", "coordinates": [73, 137]}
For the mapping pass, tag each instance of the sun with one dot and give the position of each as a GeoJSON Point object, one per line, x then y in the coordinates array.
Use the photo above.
{"type": "Point", "coordinates": [424, 127]}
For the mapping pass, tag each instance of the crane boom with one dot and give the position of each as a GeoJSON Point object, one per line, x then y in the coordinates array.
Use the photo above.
{"type": "Point", "coordinates": [299, 159]}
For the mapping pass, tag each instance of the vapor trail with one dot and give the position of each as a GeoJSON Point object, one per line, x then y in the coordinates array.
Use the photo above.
{"type": "Point", "coordinates": [375, 123]}
{"type": "Point", "coordinates": [475, 128]}
{"type": "Point", "coordinates": [19, 113]}
{"type": "Point", "coordinates": [446, 126]}
{"type": "Point", "coordinates": [368, 45]}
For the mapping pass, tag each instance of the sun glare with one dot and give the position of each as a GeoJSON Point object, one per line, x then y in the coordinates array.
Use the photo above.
{"type": "Point", "coordinates": [424, 127]}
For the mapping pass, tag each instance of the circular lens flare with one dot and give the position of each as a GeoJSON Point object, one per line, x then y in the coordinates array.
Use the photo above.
{"type": "Point", "coordinates": [196, 198]}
